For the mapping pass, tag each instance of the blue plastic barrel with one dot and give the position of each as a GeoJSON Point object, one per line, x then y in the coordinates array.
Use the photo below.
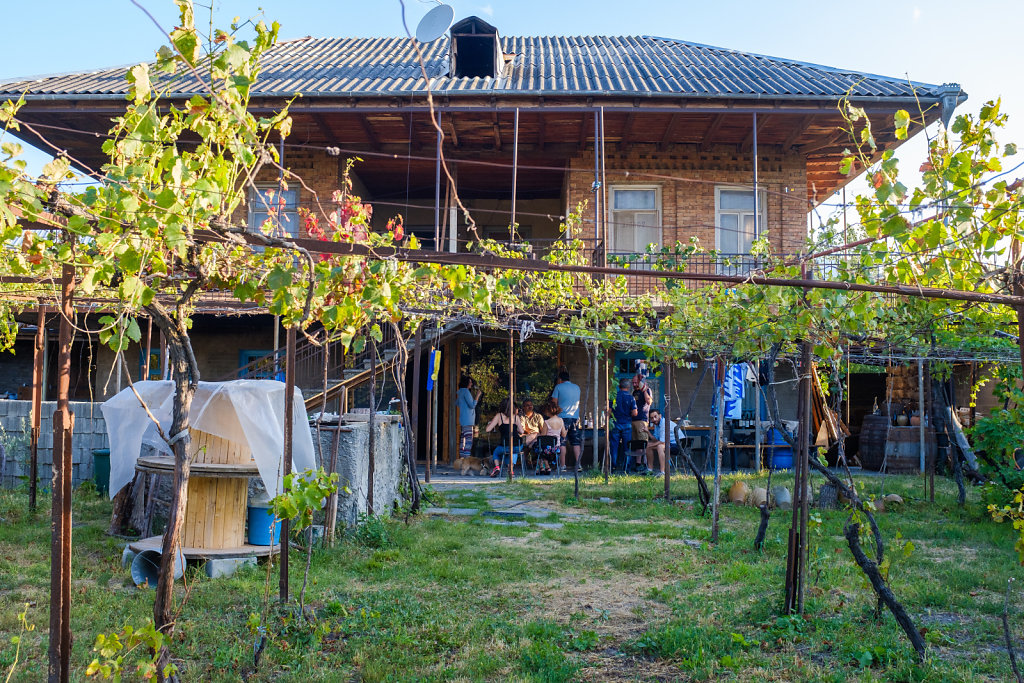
{"type": "Point", "coordinates": [261, 523]}
{"type": "Point", "coordinates": [782, 454]}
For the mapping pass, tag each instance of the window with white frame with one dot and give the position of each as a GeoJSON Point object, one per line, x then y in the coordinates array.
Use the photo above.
{"type": "Point", "coordinates": [269, 201]}
{"type": "Point", "coordinates": [734, 217]}
{"type": "Point", "coordinates": [634, 219]}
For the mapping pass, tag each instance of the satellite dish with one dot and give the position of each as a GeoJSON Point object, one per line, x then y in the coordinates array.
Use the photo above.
{"type": "Point", "coordinates": [435, 23]}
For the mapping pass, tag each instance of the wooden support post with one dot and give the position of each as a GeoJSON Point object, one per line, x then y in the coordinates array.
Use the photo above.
{"type": "Point", "coordinates": [921, 421]}
{"type": "Point", "coordinates": [719, 430]}
{"type": "Point", "coordinates": [330, 523]}
{"type": "Point", "coordinates": [796, 561]}
{"type": "Point", "coordinates": [758, 436]}
{"type": "Point", "coordinates": [512, 405]}
{"type": "Point", "coordinates": [38, 360]}
{"type": "Point", "coordinates": [372, 434]}
{"type": "Point", "coordinates": [414, 428]}
{"type": "Point", "coordinates": [289, 400]}
{"type": "Point", "coordinates": [666, 422]}
{"type": "Point", "coordinates": [59, 670]}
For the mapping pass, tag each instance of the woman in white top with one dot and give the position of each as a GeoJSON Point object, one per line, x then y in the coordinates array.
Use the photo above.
{"type": "Point", "coordinates": [553, 426]}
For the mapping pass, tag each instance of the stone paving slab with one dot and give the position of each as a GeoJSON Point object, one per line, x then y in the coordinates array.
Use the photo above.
{"type": "Point", "coordinates": [451, 512]}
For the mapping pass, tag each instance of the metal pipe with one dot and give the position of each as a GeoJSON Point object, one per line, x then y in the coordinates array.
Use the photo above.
{"type": "Point", "coordinates": [604, 200]}
{"type": "Point", "coordinates": [757, 195]}
{"type": "Point", "coordinates": [667, 103]}
{"type": "Point", "coordinates": [515, 173]}
{"type": "Point", "coordinates": [537, 265]}
{"type": "Point", "coordinates": [289, 400]}
{"type": "Point", "coordinates": [149, 349]}
{"type": "Point", "coordinates": [372, 439]}
{"type": "Point", "coordinates": [437, 186]}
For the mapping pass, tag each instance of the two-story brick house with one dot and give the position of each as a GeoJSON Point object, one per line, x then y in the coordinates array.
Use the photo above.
{"type": "Point", "coordinates": [664, 139]}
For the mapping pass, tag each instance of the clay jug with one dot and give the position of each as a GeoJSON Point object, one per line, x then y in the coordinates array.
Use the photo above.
{"type": "Point", "coordinates": [783, 498]}
{"type": "Point", "coordinates": [738, 492]}
{"type": "Point", "coordinates": [902, 421]}
{"type": "Point", "coordinates": [758, 496]}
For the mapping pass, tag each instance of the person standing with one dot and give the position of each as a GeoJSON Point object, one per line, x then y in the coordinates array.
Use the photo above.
{"type": "Point", "coordinates": [466, 403]}
{"type": "Point", "coordinates": [567, 395]}
{"type": "Point", "coordinates": [622, 422]}
{"type": "Point", "coordinates": [641, 432]}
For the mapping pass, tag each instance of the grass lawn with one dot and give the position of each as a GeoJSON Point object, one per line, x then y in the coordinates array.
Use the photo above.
{"type": "Point", "coordinates": [596, 590]}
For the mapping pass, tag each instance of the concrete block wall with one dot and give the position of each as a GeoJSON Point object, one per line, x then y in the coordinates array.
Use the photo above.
{"type": "Point", "coordinates": [353, 464]}
{"type": "Point", "coordinates": [90, 432]}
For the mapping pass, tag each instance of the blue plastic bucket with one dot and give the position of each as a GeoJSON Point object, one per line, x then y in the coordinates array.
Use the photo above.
{"type": "Point", "coordinates": [261, 523]}
{"type": "Point", "coordinates": [782, 455]}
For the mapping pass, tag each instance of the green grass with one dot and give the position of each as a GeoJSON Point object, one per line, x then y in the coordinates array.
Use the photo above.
{"type": "Point", "coordinates": [619, 592]}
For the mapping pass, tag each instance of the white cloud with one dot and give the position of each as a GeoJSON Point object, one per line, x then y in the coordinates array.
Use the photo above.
{"type": "Point", "coordinates": [917, 13]}
{"type": "Point", "coordinates": [488, 10]}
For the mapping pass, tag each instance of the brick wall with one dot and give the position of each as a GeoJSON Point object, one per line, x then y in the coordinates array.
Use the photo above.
{"type": "Point", "coordinates": [90, 433]}
{"type": "Point", "coordinates": [688, 204]}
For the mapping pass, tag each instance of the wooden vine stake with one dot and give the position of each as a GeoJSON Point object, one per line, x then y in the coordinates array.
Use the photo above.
{"type": "Point", "coordinates": [59, 670]}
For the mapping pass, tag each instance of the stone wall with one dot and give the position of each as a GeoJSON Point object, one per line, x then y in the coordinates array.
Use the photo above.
{"type": "Point", "coordinates": [352, 464]}
{"type": "Point", "coordinates": [15, 418]}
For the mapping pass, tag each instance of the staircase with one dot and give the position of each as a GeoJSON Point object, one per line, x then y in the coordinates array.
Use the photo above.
{"type": "Point", "coordinates": [345, 372]}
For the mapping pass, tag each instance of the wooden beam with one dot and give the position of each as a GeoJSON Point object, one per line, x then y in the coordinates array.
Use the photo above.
{"type": "Point", "coordinates": [833, 139]}
{"type": "Point", "coordinates": [541, 132]}
{"type": "Point", "coordinates": [371, 136]}
{"type": "Point", "coordinates": [497, 130]}
{"type": "Point", "coordinates": [670, 132]}
{"type": "Point", "coordinates": [325, 128]}
{"type": "Point", "coordinates": [748, 141]}
{"type": "Point", "coordinates": [712, 130]}
{"type": "Point", "coordinates": [452, 132]}
{"type": "Point", "coordinates": [627, 128]}
{"type": "Point", "coordinates": [797, 131]}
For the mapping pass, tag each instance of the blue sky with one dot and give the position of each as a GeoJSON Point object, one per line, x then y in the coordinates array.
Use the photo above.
{"type": "Point", "coordinates": [974, 43]}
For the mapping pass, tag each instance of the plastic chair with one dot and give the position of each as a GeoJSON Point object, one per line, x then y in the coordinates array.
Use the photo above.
{"type": "Point", "coordinates": [635, 446]}
{"type": "Point", "coordinates": [545, 445]}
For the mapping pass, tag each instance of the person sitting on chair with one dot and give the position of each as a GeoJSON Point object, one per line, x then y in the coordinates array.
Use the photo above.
{"type": "Point", "coordinates": [554, 426]}
{"type": "Point", "coordinates": [656, 447]}
{"type": "Point", "coordinates": [533, 426]}
{"type": "Point", "coordinates": [503, 420]}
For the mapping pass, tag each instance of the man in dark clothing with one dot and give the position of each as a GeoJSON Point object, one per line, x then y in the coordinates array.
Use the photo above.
{"type": "Point", "coordinates": [622, 422]}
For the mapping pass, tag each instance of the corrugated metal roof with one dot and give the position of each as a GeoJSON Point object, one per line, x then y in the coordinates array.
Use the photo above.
{"type": "Point", "coordinates": [580, 65]}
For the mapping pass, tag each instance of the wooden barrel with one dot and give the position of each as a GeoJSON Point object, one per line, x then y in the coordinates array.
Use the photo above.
{"type": "Point", "coordinates": [872, 441]}
{"type": "Point", "coordinates": [216, 507]}
{"type": "Point", "coordinates": [897, 447]}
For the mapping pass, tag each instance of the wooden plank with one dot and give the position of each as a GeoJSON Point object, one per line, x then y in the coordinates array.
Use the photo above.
{"type": "Point", "coordinates": [712, 130]}
{"type": "Point", "coordinates": [164, 464]}
{"type": "Point", "coordinates": [191, 553]}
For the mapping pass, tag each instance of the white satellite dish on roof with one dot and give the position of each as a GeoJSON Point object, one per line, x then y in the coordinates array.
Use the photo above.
{"type": "Point", "coordinates": [435, 23]}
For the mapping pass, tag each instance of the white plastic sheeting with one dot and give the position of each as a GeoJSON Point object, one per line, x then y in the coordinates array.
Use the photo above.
{"type": "Point", "coordinates": [247, 411]}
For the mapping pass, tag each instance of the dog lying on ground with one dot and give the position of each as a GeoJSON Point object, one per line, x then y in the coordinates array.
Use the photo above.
{"type": "Point", "coordinates": [474, 465]}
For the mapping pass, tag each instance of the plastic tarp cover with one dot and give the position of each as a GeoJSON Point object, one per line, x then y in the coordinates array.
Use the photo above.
{"type": "Point", "coordinates": [248, 411]}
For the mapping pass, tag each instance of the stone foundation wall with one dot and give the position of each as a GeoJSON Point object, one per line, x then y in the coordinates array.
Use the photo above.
{"type": "Point", "coordinates": [353, 464]}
